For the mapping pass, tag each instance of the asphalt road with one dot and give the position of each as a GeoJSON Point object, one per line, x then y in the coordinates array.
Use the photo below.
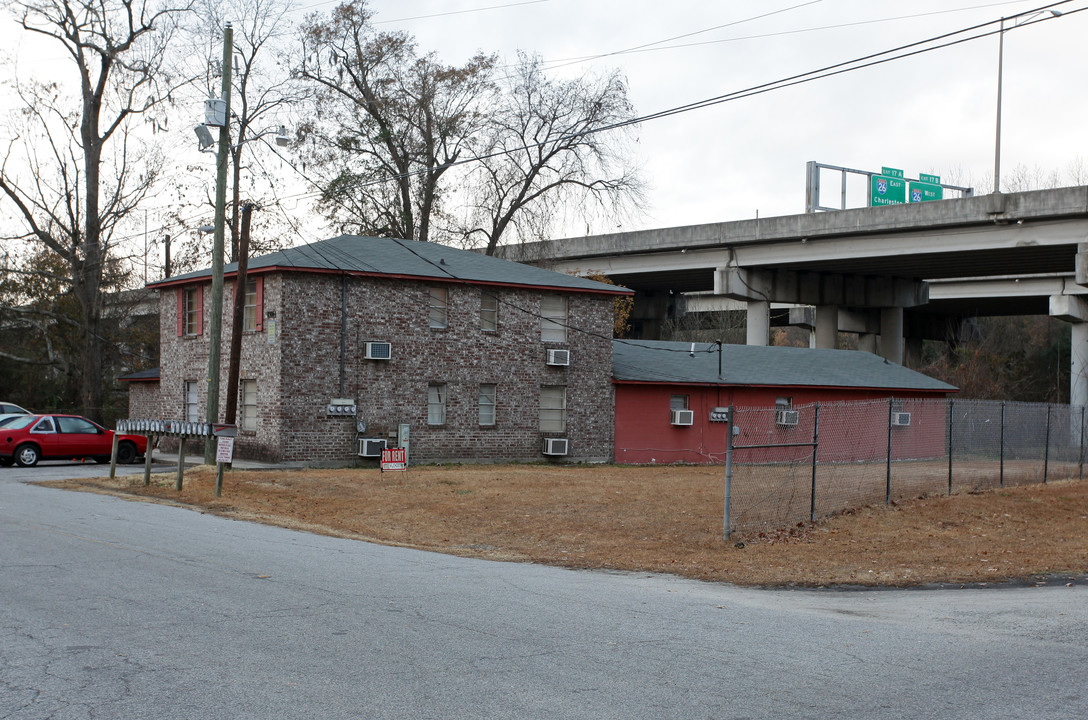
{"type": "Point", "coordinates": [118, 609]}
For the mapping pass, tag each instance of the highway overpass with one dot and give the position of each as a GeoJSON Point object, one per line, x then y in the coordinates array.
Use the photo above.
{"type": "Point", "coordinates": [892, 274]}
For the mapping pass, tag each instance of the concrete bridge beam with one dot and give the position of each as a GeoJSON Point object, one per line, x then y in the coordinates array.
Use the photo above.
{"type": "Point", "coordinates": [804, 288]}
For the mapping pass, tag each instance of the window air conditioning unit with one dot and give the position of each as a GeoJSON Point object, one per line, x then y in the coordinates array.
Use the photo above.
{"type": "Point", "coordinates": [682, 417]}
{"type": "Point", "coordinates": [371, 447]}
{"type": "Point", "coordinates": [559, 357]}
{"type": "Point", "coordinates": [378, 351]}
{"type": "Point", "coordinates": [900, 419]}
{"type": "Point", "coordinates": [555, 446]}
{"type": "Point", "coordinates": [785, 418]}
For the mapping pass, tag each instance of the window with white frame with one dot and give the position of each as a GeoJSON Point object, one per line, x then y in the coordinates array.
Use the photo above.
{"type": "Point", "coordinates": [249, 308]}
{"type": "Point", "coordinates": [678, 402]}
{"type": "Point", "coordinates": [489, 311]}
{"type": "Point", "coordinates": [249, 405]}
{"type": "Point", "coordinates": [437, 311]}
{"type": "Point", "coordinates": [487, 404]}
{"type": "Point", "coordinates": [192, 407]}
{"type": "Point", "coordinates": [192, 310]}
{"type": "Point", "coordinates": [436, 404]}
{"type": "Point", "coordinates": [553, 318]}
{"type": "Point", "coordinates": [553, 409]}
{"type": "Point", "coordinates": [783, 403]}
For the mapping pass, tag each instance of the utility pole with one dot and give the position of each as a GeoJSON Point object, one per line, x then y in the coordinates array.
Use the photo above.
{"type": "Point", "coordinates": [216, 323]}
{"type": "Point", "coordinates": [240, 283]}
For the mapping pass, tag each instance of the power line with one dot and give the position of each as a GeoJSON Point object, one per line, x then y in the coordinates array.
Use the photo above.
{"type": "Point", "coordinates": [866, 61]}
{"type": "Point", "coordinates": [563, 62]}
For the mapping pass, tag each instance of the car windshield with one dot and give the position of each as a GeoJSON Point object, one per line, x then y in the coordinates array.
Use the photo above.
{"type": "Point", "coordinates": [19, 423]}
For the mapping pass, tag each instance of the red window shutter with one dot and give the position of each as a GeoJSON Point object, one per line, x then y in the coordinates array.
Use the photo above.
{"type": "Point", "coordinates": [181, 311]}
{"type": "Point", "coordinates": [259, 310]}
{"type": "Point", "coordinates": [200, 310]}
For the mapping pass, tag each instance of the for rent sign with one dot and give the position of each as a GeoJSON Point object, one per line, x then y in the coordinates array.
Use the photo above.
{"type": "Point", "coordinates": [394, 459]}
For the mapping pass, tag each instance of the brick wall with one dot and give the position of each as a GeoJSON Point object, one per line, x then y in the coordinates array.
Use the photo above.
{"type": "Point", "coordinates": [184, 358]}
{"type": "Point", "coordinates": [461, 356]}
{"type": "Point", "coordinates": [296, 361]}
{"type": "Point", "coordinates": [144, 400]}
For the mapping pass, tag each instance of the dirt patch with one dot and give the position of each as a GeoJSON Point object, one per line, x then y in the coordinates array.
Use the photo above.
{"type": "Point", "coordinates": [653, 519]}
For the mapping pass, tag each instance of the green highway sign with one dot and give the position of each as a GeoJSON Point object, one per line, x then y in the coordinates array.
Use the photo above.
{"type": "Point", "coordinates": [925, 192]}
{"type": "Point", "coordinates": [934, 179]}
{"type": "Point", "coordinates": [888, 188]}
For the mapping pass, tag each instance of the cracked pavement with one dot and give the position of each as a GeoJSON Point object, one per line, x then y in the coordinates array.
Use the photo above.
{"type": "Point", "coordinates": [119, 609]}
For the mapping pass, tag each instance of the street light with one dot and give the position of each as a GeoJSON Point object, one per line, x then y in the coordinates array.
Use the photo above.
{"type": "Point", "coordinates": [1020, 20]}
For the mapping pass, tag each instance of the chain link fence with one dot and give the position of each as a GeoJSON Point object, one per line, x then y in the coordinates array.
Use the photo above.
{"type": "Point", "coordinates": [797, 464]}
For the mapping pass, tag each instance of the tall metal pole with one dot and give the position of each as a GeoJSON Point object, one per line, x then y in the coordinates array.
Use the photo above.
{"type": "Point", "coordinates": [888, 469]}
{"type": "Point", "coordinates": [997, 141]}
{"type": "Point", "coordinates": [1002, 449]}
{"type": "Point", "coordinates": [215, 326]}
{"type": "Point", "coordinates": [815, 452]}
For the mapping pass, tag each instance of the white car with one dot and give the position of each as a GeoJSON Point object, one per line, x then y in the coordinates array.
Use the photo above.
{"type": "Point", "coordinates": [11, 410]}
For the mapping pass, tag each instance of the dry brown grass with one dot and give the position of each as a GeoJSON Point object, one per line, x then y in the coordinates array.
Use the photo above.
{"type": "Point", "coordinates": [655, 519]}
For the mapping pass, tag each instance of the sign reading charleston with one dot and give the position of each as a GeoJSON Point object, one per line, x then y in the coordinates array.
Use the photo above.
{"type": "Point", "coordinates": [888, 188]}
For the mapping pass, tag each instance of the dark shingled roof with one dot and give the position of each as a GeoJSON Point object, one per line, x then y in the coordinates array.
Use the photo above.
{"type": "Point", "coordinates": [671, 362]}
{"type": "Point", "coordinates": [407, 258]}
{"type": "Point", "coordinates": [141, 375]}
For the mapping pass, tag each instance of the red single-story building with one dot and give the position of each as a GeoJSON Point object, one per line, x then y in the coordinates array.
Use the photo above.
{"type": "Point", "coordinates": [670, 398]}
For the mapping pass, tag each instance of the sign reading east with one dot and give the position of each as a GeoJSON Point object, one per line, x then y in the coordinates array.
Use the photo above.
{"type": "Point", "coordinates": [888, 188]}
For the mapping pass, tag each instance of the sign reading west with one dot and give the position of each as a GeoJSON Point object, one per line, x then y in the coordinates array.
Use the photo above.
{"type": "Point", "coordinates": [890, 188]}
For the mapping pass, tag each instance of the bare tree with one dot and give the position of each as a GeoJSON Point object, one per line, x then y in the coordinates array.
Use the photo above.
{"type": "Point", "coordinates": [76, 168]}
{"type": "Point", "coordinates": [263, 94]}
{"type": "Point", "coordinates": [390, 122]}
{"type": "Point", "coordinates": [551, 144]}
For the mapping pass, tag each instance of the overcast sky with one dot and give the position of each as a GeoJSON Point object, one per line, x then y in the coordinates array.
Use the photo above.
{"type": "Point", "coordinates": [932, 113]}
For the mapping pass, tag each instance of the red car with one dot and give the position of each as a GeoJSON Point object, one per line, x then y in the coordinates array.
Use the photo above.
{"type": "Point", "coordinates": [27, 439]}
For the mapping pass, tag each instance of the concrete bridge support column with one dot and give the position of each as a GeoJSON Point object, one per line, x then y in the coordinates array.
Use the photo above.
{"type": "Point", "coordinates": [827, 326]}
{"type": "Point", "coordinates": [891, 334]}
{"type": "Point", "coordinates": [1078, 371]}
{"type": "Point", "coordinates": [758, 323]}
{"type": "Point", "coordinates": [1074, 311]}
{"type": "Point", "coordinates": [867, 342]}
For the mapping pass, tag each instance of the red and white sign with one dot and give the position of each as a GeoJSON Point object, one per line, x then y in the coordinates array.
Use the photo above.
{"type": "Point", "coordinates": [394, 459]}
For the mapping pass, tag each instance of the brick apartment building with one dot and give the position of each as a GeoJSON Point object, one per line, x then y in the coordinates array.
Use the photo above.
{"type": "Point", "coordinates": [352, 338]}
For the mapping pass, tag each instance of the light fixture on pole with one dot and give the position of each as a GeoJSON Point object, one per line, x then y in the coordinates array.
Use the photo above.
{"type": "Point", "coordinates": [1020, 20]}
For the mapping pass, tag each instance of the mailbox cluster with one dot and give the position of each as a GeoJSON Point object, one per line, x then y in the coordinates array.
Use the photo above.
{"type": "Point", "coordinates": [165, 427]}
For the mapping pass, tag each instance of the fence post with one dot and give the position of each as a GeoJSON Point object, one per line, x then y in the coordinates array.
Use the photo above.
{"type": "Point", "coordinates": [181, 462]}
{"type": "Point", "coordinates": [1046, 450]}
{"type": "Point", "coordinates": [1080, 448]}
{"type": "Point", "coordinates": [728, 469]}
{"type": "Point", "coordinates": [951, 415]}
{"type": "Point", "coordinates": [147, 459]}
{"type": "Point", "coordinates": [1002, 473]}
{"type": "Point", "coordinates": [815, 449]}
{"type": "Point", "coordinates": [888, 475]}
